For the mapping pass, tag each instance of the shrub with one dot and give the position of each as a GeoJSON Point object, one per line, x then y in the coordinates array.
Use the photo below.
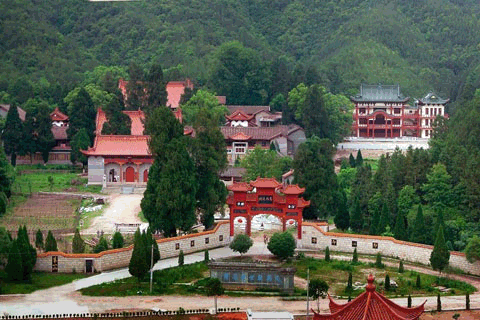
{"type": "Point", "coordinates": [409, 301]}
{"type": "Point", "coordinates": [378, 261]}
{"type": "Point", "coordinates": [282, 245]}
{"type": "Point", "coordinates": [78, 246]}
{"type": "Point", "coordinates": [327, 254]}
{"type": "Point", "coordinates": [117, 240]}
{"type": "Point", "coordinates": [355, 256]}
{"type": "Point", "coordinates": [418, 283]}
{"type": "Point", "coordinates": [241, 243]}
{"type": "Point", "coordinates": [467, 301]}
{"type": "Point", "coordinates": [350, 282]}
{"type": "Point", "coordinates": [181, 258]}
{"type": "Point", "coordinates": [50, 243]}
{"type": "Point", "coordinates": [102, 245]}
{"type": "Point", "coordinates": [39, 239]}
{"type": "Point", "coordinates": [206, 258]}
{"type": "Point", "coordinates": [3, 203]}
{"type": "Point", "coordinates": [400, 267]}
{"type": "Point", "coordinates": [387, 283]}
{"type": "Point", "coordinates": [439, 303]}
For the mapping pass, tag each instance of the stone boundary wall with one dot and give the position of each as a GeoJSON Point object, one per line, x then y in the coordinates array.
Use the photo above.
{"type": "Point", "coordinates": [120, 258]}
{"type": "Point", "coordinates": [316, 236]}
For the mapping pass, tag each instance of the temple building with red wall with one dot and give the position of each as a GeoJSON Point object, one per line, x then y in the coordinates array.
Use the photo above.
{"type": "Point", "coordinates": [381, 111]}
{"type": "Point", "coordinates": [370, 305]}
{"type": "Point", "coordinates": [265, 196]}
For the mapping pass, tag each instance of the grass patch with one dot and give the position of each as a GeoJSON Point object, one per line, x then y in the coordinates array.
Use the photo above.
{"type": "Point", "coordinates": [335, 273]}
{"type": "Point", "coordinates": [39, 181]}
{"type": "Point", "coordinates": [176, 280]}
{"type": "Point", "coordinates": [40, 280]}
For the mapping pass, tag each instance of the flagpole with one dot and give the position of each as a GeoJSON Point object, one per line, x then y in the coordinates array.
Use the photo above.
{"type": "Point", "coordinates": [308, 300]}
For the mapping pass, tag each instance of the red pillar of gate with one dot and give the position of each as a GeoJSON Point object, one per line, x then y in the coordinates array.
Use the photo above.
{"type": "Point", "coordinates": [284, 224]}
{"type": "Point", "coordinates": [232, 226]}
{"type": "Point", "coordinates": [299, 226]}
{"type": "Point", "coordinates": [248, 227]}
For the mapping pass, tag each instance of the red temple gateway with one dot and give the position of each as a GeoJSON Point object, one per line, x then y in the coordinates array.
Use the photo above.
{"type": "Point", "coordinates": [370, 305]}
{"type": "Point", "coordinates": [266, 196]}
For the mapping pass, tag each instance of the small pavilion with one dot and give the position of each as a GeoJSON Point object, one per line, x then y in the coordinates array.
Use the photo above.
{"type": "Point", "coordinates": [370, 305]}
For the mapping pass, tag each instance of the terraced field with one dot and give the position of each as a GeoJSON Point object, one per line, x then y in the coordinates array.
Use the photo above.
{"type": "Point", "coordinates": [45, 212]}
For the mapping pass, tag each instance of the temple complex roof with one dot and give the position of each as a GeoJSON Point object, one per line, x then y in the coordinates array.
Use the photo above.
{"type": "Point", "coordinates": [137, 117]}
{"type": "Point", "coordinates": [432, 98]}
{"type": "Point", "coordinates": [239, 115]}
{"type": "Point", "coordinates": [260, 133]}
{"type": "Point", "coordinates": [57, 115]}
{"type": "Point", "coordinates": [379, 93]}
{"type": "Point", "coordinates": [370, 305]}
{"type": "Point", "coordinates": [292, 189]}
{"type": "Point", "coordinates": [240, 186]}
{"type": "Point", "coordinates": [249, 110]}
{"type": "Point", "coordinates": [119, 145]}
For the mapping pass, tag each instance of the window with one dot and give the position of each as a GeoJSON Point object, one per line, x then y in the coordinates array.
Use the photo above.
{"type": "Point", "coordinates": [177, 246]}
{"type": "Point", "coordinates": [239, 149]}
{"type": "Point", "coordinates": [192, 243]}
{"type": "Point", "coordinates": [291, 206]}
{"type": "Point", "coordinates": [314, 240]}
{"type": "Point", "coordinates": [240, 204]}
{"type": "Point", "coordinates": [354, 244]}
{"type": "Point", "coordinates": [264, 143]}
{"type": "Point", "coordinates": [375, 245]}
{"type": "Point", "coordinates": [207, 240]}
{"type": "Point", "coordinates": [426, 111]}
{"type": "Point", "coordinates": [334, 242]}
{"type": "Point", "coordinates": [220, 237]}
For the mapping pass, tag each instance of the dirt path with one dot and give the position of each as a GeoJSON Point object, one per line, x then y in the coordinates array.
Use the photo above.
{"type": "Point", "coordinates": [123, 208]}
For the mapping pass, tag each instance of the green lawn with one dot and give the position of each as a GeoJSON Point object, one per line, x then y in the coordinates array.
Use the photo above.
{"type": "Point", "coordinates": [40, 280]}
{"type": "Point", "coordinates": [38, 180]}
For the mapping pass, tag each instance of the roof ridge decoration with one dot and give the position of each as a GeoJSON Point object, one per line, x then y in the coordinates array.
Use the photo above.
{"type": "Point", "coordinates": [375, 306]}
{"type": "Point", "coordinates": [265, 183]}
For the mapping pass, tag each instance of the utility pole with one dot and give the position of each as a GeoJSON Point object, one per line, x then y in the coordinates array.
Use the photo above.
{"type": "Point", "coordinates": [151, 270]}
{"type": "Point", "coordinates": [308, 300]}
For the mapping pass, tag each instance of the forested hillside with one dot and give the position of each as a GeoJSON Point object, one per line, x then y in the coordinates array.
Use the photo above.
{"type": "Point", "coordinates": [423, 45]}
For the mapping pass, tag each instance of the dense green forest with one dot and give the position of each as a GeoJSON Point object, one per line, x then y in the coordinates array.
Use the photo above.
{"type": "Point", "coordinates": [47, 46]}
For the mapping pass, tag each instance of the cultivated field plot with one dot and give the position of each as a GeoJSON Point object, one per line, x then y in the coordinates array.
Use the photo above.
{"type": "Point", "coordinates": [45, 212]}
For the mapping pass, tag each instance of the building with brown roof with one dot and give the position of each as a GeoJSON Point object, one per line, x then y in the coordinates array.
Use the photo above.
{"type": "Point", "coordinates": [252, 116]}
{"type": "Point", "coordinates": [240, 140]}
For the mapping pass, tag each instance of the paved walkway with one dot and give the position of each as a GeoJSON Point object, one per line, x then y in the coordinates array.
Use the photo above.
{"type": "Point", "coordinates": [65, 299]}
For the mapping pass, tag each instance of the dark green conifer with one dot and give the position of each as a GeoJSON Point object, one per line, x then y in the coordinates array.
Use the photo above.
{"type": "Point", "coordinates": [50, 242]}
{"type": "Point", "coordinates": [39, 239]}
{"type": "Point", "coordinates": [14, 268]}
{"type": "Point", "coordinates": [440, 254]}
{"type": "Point", "coordinates": [327, 254]}
{"type": "Point", "coordinates": [356, 220]}
{"type": "Point", "coordinates": [351, 160]}
{"type": "Point", "coordinates": [384, 220]}
{"type": "Point", "coordinates": [355, 256]}
{"type": "Point", "coordinates": [138, 266]}
{"type": "Point", "coordinates": [78, 245]}
{"type": "Point", "coordinates": [419, 231]}
{"type": "Point", "coordinates": [181, 258]}
{"type": "Point", "coordinates": [359, 160]}
{"type": "Point", "coordinates": [387, 283]}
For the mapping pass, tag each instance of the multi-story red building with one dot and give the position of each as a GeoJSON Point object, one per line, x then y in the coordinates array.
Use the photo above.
{"type": "Point", "coordinates": [266, 196]}
{"type": "Point", "coordinates": [381, 111]}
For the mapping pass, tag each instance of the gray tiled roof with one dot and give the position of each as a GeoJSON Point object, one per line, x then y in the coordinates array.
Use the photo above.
{"type": "Point", "coordinates": [380, 93]}
{"type": "Point", "coordinates": [432, 98]}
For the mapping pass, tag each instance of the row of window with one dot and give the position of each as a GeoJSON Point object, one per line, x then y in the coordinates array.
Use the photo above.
{"type": "Point", "coordinates": [433, 111]}
{"type": "Point", "coordinates": [192, 242]}
{"type": "Point", "coordinates": [354, 243]}
{"type": "Point", "coordinates": [253, 277]}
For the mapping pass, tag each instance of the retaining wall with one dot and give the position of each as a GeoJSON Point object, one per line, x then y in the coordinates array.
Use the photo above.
{"type": "Point", "coordinates": [120, 258]}
{"type": "Point", "coordinates": [316, 236]}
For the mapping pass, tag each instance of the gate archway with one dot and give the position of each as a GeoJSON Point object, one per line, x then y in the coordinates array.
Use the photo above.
{"type": "Point", "coordinates": [266, 196]}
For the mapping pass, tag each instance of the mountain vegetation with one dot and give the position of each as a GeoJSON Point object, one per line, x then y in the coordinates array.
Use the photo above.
{"type": "Point", "coordinates": [49, 47]}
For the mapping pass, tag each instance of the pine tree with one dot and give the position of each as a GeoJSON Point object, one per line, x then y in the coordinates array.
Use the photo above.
{"type": "Point", "coordinates": [206, 257]}
{"type": "Point", "coordinates": [384, 219]}
{"type": "Point", "coordinates": [181, 258]}
{"type": "Point", "coordinates": [418, 282]}
{"type": "Point", "coordinates": [350, 282]}
{"type": "Point", "coordinates": [356, 220]}
{"type": "Point", "coordinates": [3, 203]}
{"type": "Point", "coordinates": [7, 174]}
{"type": "Point", "coordinates": [14, 268]}
{"type": "Point", "coordinates": [400, 230]}
{"type": "Point", "coordinates": [400, 267]}
{"type": "Point", "coordinates": [342, 218]}
{"type": "Point", "coordinates": [351, 160]}
{"type": "Point", "coordinates": [102, 245]}
{"type": "Point", "coordinates": [13, 128]}
{"type": "Point", "coordinates": [28, 252]}
{"type": "Point", "coordinates": [117, 240]}
{"type": "Point", "coordinates": [467, 301]}
{"type": "Point", "coordinates": [355, 256]}
{"type": "Point", "coordinates": [50, 242]}
{"type": "Point", "coordinates": [327, 254]}
{"type": "Point", "coordinates": [440, 254]}
{"type": "Point", "coordinates": [78, 246]}
{"type": "Point", "coordinates": [439, 303]}
{"type": "Point", "coordinates": [156, 88]}
{"type": "Point", "coordinates": [118, 123]}
{"type": "Point", "coordinates": [409, 301]}
{"type": "Point", "coordinates": [387, 282]}
{"type": "Point", "coordinates": [80, 141]}
{"type": "Point", "coordinates": [44, 139]}
{"type": "Point", "coordinates": [419, 229]}
{"type": "Point", "coordinates": [39, 239]}
{"type": "Point", "coordinates": [378, 261]}
{"type": "Point", "coordinates": [138, 266]}
{"type": "Point", "coordinates": [359, 160]}
{"type": "Point", "coordinates": [135, 88]}
{"type": "Point", "coordinates": [374, 224]}
{"type": "Point", "coordinates": [82, 114]}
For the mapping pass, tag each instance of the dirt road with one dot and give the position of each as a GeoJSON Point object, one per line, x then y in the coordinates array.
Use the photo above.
{"type": "Point", "coordinates": [123, 208]}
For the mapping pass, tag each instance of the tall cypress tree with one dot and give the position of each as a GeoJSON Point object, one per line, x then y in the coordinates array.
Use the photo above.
{"type": "Point", "coordinates": [28, 252]}
{"type": "Point", "coordinates": [11, 132]}
{"type": "Point", "coordinates": [356, 220]}
{"type": "Point", "coordinates": [342, 218]}
{"type": "Point", "coordinates": [359, 160]}
{"type": "Point", "coordinates": [135, 88]}
{"type": "Point", "coordinates": [138, 266]}
{"type": "Point", "coordinates": [78, 246]}
{"type": "Point", "coordinates": [351, 160]}
{"type": "Point", "coordinates": [440, 254]}
{"type": "Point", "coordinates": [82, 115]}
{"type": "Point", "coordinates": [374, 224]}
{"type": "Point", "coordinates": [384, 220]}
{"type": "Point", "coordinates": [400, 230]}
{"type": "Point", "coordinates": [118, 123]}
{"type": "Point", "coordinates": [50, 242]}
{"type": "Point", "coordinates": [156, 88]}
{"type": "Point", "coordinates": [6, 174]}
{"type": "Point", "coordinates": [43, 131]}
{"type": "Point", "coordinates": [419, 231]}
{"type": "Point", "coordinates": [14, 268]}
